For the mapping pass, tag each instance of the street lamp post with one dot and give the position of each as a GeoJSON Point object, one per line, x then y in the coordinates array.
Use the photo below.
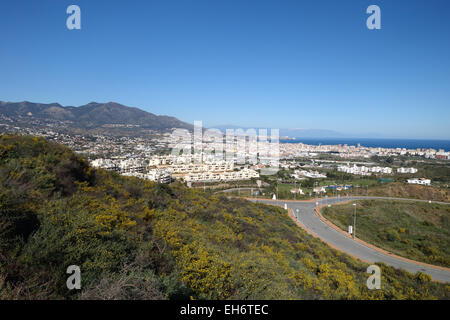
{"type": "Point", "coordinates": [295, 189]}
{"type": "Point", "coordinates": [316, 190]}
{"type": "Point", "coordinates": [277, 190]}
{"type": "Point", "coordinates": [354, 221]}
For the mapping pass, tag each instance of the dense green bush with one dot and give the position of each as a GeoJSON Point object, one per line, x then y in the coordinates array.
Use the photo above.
{"type": "Point", "coordinates": [134, 239]}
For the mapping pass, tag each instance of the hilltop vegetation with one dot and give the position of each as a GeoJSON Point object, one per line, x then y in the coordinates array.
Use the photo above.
{"type": "Point", "coordinates": [412, 191]}
{"type": "Point", "coordinates": [415, 230]}
{"type": "Point", "coordinates": [134, 239]}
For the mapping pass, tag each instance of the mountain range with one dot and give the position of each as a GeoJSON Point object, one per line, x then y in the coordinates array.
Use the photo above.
{"type": "Point", "coordinates": [112, 118]}
{"type": "Point", "coordinates": [90, 116]}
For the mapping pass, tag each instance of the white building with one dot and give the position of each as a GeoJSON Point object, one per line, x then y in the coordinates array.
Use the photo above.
{"type": "Point", "coordinates": [132, 165]}
{"type": "Point", "coordinates": [297, 191]}
{"type": "Point", "coordinates": [244, 174]}
{"type": "Point", "coordinates": [363, 170]}
{"type": "Point", "coordinates": [421, 181]}
{"type": "Point", "coordinates": [407, 170]}
{"type": "Point", "coordinates": [309, 174]}
{"type": "Point", "coordinates": [202, 167]}
{"type": "Point", "coordinates": [158, 175]}
{"type": "Point", "coordinates": [107, 164]}
{"type": "Point", "coordinates": [320, 190]}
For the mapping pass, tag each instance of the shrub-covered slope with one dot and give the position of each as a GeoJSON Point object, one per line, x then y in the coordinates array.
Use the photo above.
{"type": "Point", "coordinates": [134, 239]}
{"type": "Point", "coordinates": [415, 230]}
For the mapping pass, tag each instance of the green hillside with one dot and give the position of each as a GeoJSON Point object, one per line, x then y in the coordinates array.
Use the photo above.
{"type": "Point", "coordinates": [135, 239]}
{"type": "Point", "coordinates": [415, 230]}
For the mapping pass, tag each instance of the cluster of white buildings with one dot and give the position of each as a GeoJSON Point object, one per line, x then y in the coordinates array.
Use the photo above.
{"type": "Point", "coordinates": [220, 166]}
{"type": "Point", "coordinates": [121, 165]}
{"type": "Point", "coordinates": [156, 175]}
{"type": "Point", "coordinates": [309, 174]}
{"type": "Point", "coordinates": [244, 174]}
{"type": "Point", "coordinates": [203, 169]}
{"type": "Point", "coordinates": [134, 167]}
{"type": "Point", "coordinates": [289, 150]}
{"type": "Point", "coordinates": [421, 181]}
{"type": "Point", "coordinates": [407, 170]}
{"type": "Point", "coordinates": [367, 171]}
{"type": "Point", "coordinates": [165, 168]}
{"type": "Point", "coordinates": [363, 170]}
{"type": "Point", "coordinates": [107, 164]}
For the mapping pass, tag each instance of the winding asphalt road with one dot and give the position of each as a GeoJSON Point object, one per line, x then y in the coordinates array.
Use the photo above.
{"type": "Point", "coordinates": [304, 213]}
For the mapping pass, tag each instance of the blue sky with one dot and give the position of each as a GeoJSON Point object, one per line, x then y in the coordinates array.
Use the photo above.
{"type": "Point", "coordinates": [274, 64]}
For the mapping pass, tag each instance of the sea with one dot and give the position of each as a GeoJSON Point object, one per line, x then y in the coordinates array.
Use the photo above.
{"type": "Point", "coordinates": [376, 142]}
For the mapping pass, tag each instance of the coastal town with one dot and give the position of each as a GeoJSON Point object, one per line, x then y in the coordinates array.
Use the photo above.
{"type": "Point", "coordinates": [225, 159]}
{"type": "Point", "coordinates": [150, 158]}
